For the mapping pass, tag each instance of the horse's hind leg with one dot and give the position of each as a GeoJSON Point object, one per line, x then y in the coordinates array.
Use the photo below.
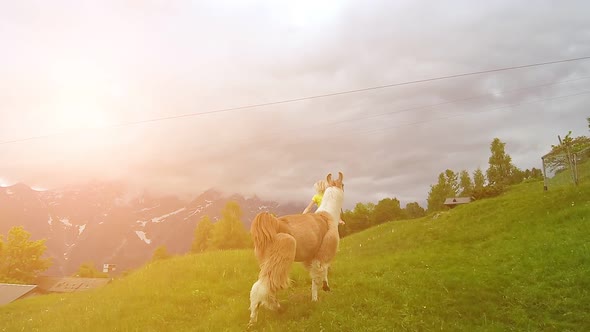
{"type": "Point", "coordinates": [258, 296]}
{"type": "Point", "coordinates": [273, 276]}
{"type": "Point", "coordinates": [261, 295]}
{"type": "Point", "coordinates": [325, 284]}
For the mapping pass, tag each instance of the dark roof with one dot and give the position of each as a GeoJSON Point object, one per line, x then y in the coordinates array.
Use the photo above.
{"type": "Point", "coordinates": [12, 292]}
{"type": "Point", "coordinates": [69, 284]}
{"type": "Point", "coordinates": [457, 200]}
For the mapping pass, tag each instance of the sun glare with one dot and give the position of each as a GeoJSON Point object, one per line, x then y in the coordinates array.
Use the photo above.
{"type": "Point", "coordinates": [81, 96]}
{"type": "Point", "coordinates": [79, 115]}
{"type": "Point", "coordinates": [311, 12]}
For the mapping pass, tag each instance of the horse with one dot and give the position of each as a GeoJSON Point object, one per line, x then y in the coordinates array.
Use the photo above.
{"type": "Point", "coordinates": [310, 238]}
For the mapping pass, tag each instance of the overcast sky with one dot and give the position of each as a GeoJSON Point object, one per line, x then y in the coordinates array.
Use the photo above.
{"type": "Point", "coordinates": [73, 71]}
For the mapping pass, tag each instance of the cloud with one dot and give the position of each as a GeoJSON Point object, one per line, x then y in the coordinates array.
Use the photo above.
{"type": "Point", "coordinates": [132, 61]}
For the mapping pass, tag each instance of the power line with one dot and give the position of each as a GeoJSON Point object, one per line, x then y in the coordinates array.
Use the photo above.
{"type": "Point", "coordinates": [306, 140]}
{"type": "Point", "coordinates": [505, 107]}
{"type": "Point", "coordinates": [251, 106]}
{"type": "Point", "coordinates": [373, 131]}
{"type": "Point", "coordinates": [415, 108]}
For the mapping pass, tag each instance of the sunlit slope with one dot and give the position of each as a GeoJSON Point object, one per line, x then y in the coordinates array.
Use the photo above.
{"type": "Point", "coordinates": [518, 262]}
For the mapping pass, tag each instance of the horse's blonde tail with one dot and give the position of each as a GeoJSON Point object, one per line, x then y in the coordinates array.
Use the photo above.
{"type": "Point", "coordinates": [275, 268]}
{"type": "Point", "coordinates": [264, 228]}
{"type": "Point", "coordinates": [275, 251]}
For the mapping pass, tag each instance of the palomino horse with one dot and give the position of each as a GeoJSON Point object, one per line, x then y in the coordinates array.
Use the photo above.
{"type": "Point", "coordinates": [310, 238]}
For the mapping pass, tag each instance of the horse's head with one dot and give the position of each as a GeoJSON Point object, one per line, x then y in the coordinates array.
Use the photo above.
{"type": "Point", "coordinates": [333, 198]}
{"type": "Point", "coordinates": [335, 183]}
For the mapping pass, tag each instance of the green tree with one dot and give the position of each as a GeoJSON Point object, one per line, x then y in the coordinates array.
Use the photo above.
{"type": "Point", "coordinates": [536, 173]}
{"type": "Point", "coordinates": [361, 217]}
{"type": "Point", "coordinates": [465, 184]}
{"type": "Point", "coordinates": [88, 270]}
{"type": "Point", "coordinates": [447, 186]}
{"type": "Point", "coordinates": [160, 253]}
{"type": "Point", "coordinates": [557, 157]}
{"type": "Point", "coordinates": [500, 163]}
{"type": "Point", "coordinates": [229, 232]}
{"type": "Point", "coordinates": [452, 179]}
{"type": "Point", "coordinates": [516, 175]}
{"type": "Point", "coordinates": [388, 209]}
{"type": "Point", "coordinates": [479, 180]}
{"type": "Point", "coordinates": [21, 259]}
{"type": "Point", "coordinates": [202, 235]}
{"type": "Point", "coordinates": [414, 210]}
{"type": "Point", "coordinates": [533, 173]}
{"type": "Point", "coordinates": [437, 194]}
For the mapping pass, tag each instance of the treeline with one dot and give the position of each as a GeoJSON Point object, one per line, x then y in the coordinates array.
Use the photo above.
{"type": "Point", "coordinates": [501, 173]}
{"type": "Point", "coordinates": [367, 215]}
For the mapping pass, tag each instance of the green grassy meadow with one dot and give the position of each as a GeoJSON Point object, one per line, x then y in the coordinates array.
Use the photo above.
{"type": "Point", "coordinates": [517, 262]}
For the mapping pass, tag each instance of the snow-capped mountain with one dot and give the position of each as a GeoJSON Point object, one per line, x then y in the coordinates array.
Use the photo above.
{"type": "Point", "coordinates": [105, 223]}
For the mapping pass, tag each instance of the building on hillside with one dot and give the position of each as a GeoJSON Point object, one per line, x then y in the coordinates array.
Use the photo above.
{"type": "Point", "coordinates": [69, 284]}
{"type": "Point", "coordinates": [13, 292]}
{"type": "Point", "coordinates": [454, 201]}
{"type": "Point", "coordinates": [46, 285]}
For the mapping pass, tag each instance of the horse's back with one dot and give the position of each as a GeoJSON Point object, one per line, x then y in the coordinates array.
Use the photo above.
{"type": "Point", "coordinates": [308, 230]}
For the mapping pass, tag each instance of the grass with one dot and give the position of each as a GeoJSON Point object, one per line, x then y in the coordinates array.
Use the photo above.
{"type": "Point", "coordinates": [518, 262]}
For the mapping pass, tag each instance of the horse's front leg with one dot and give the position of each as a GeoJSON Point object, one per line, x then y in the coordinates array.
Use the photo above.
{"type": "Point", "coordinates": [326, 255]}
{"type": "Point", "coordinates": [316, 273]}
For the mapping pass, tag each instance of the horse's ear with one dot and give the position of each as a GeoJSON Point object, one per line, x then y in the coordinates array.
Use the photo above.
{"type": "Point", "coordinates": [329, 178]}
{"type": "Point", "coordinates": [340, 177]}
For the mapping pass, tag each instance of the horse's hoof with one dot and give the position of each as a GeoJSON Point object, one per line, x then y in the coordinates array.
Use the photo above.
{"type": "Point", "coordinates": [325, 287]}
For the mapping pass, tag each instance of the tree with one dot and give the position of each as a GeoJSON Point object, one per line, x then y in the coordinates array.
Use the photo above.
{"type": "Point", "coordinates": [88, 270]}
{"type": "Point", "coordinates": [202, 235]}
{"type": "Point", "coordinates": [229, 232]}
{"type": "Point", "coordinates": [388, 209]}
{"type": "Point", "coordinates": [479, 180]}
{"type": "Point", "coordinates": [160, 253]}
{"type": "Point", "coordinates": [465, 184]}
{"type": "Point", "coordinates": [556, 160]}
{"type": "Point", "coordinates": [536, 173]}
{"type": "Point", "coordinates": [516, 175]}
{"type": "Point", "coordinates": [21, 259]}
{"type": "Point", "coordinates": [414, 210]}
{"type": "Point", "coordinates": [500, 163]}
{"type": "Point", "coordinates": [452, 179]}
{"type": "Point", "coordinates": [446, 187]}
{"type": "Point", "coordinates": [361, 217]}
{"type": "Point", "coordinates": [437, 194]}
{"type": "Point", "coordinates": [533, 173]}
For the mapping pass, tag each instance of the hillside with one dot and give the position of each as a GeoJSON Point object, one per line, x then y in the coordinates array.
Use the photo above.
{"type": "Point", "coordinates": [518, 262]}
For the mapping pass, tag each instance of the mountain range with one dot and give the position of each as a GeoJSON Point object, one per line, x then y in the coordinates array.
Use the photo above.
{"type": "Point", "coordinates": [106, 223]}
